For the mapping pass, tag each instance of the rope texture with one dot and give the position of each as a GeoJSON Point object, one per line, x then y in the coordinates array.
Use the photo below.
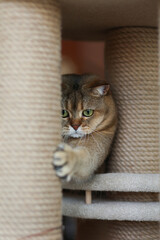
{"type": "Point", "coordinates": [133, 230]}
{"type": "Point", "coordinates": [104, 230]}
{"type": "Point", "coordinates": [30, 201]}
{"type": "Point", "coordinates": [132, 67]}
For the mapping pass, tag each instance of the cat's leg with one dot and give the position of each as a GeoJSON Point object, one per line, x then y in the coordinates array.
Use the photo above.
{"type": "Point", "coordinates": [72, 162]}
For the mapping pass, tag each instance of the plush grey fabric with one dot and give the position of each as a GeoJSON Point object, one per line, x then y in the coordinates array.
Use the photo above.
{"type": "Point", "coordinates": [74, 206]}
{"type": "Point", "coordinates": [122, 182]}
{"type": "Point", "coordinates": [110, 210]}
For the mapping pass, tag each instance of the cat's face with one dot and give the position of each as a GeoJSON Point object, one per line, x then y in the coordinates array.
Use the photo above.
{"type": "Point", "coordinates": [86, 102]}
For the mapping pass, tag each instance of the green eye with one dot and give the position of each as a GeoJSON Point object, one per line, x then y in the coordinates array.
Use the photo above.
{"type": "Point", "coordinates": [65, 113]}
{"type": "Point", "coordinates": [88, 112]}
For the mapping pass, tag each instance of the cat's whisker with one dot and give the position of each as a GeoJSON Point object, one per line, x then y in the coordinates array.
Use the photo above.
{"type": "Point", "coordinates": [96, 142]}
{"type": "Point", "coordinates": [88, 136]}
{"type": "Point", "coordinates": [106, 133]}
{"type": "Point", "coordinates": [85, 140]}
{"type": "Point", "coordinates": [80, 140]}
{"type": "Point", "coordinates": [100, 133]}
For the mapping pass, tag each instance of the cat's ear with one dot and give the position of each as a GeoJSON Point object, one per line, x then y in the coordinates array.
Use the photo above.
{"type": "Point", "coordinates": [97, 87]}
{"type": "Point", "coordinates": [101, 90]}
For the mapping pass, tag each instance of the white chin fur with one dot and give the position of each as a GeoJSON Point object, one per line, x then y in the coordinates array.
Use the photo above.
{"type": "Point", "coordinates": [75, 134]}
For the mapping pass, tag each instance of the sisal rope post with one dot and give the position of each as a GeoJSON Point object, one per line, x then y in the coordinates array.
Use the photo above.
{"type": "Point", "coordinates": [132, 67]}
{"type": "Point", "coordinates": [30, 126]}
{"type": "Point", "coordinates": [159, 88]}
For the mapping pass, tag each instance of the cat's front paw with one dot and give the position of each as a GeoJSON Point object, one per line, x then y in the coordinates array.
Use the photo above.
{"type": "Point", "coordinates": [64, 161]}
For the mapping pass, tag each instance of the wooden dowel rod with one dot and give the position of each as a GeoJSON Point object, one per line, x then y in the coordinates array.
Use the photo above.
{"type": "Point", "coordinates": [88, 197]}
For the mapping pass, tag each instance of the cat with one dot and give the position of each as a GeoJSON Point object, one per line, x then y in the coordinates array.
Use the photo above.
{"type": "Point", "coordinates": [89, 120]}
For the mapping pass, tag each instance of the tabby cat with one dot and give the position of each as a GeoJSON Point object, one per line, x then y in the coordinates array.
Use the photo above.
{"type": "Point", "coordinates": [89, 122]}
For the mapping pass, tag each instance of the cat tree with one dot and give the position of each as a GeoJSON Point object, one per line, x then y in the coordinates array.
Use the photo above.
{"type": "Point", "coordinates": [30, 125]}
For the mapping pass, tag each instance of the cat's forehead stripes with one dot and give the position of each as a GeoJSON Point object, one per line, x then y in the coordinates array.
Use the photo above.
{"type": "Point", "coordinates": [69, 105]}
{"type": "Point", "coordinates": [76, 96]}
{"type": "Point", "coordinates": [74, 103]}
{"type": "Point", "coordinates": [80, 105]}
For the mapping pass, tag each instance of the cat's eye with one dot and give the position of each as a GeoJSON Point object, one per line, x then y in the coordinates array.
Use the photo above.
{"type": "Point", "coordinates": [88, 113]}
{"type": "Point", "coordinates": [65, 113]}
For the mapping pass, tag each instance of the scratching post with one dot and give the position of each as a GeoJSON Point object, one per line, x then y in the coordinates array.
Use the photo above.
{"type": "Point", "coordinates": [132, 67]}
{"type": "Point", "coordinates": [30, 200]}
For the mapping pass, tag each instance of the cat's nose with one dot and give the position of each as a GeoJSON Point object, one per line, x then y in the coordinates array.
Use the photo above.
{"type": "Point", "coordinates": [75, 126]}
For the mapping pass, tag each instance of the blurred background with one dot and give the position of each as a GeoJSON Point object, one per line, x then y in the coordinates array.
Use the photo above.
{"type": "Point", "coordinates": [83, 57]}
